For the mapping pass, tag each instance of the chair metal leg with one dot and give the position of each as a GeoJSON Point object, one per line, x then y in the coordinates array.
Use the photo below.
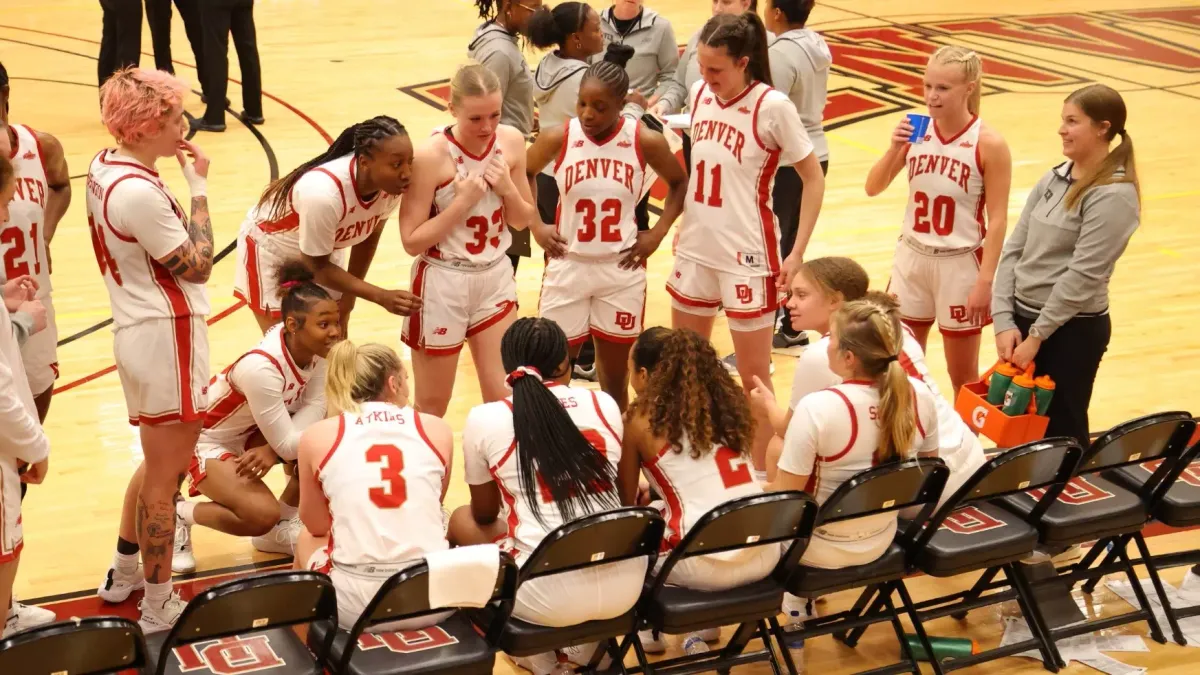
{"type": "Point", "coordinates": [765, 631]}
{"type": "Point", "coordinates": [977, 590]}
{"type": "Point", "coordinates": [1052, 660]}
{"type": "Point", "coordinates": [855, 634]}
{"type": "Point", "coordinates": [784, 651]}
{"type": "Point", "coordinates": [640, 653]}
{"type": "Point", "coordinates": [1152, 570]}
{"type": "Point", "coordinates": [886, 594]}
{"type": "Point", "coordinates": [1110, 557]}
{"type": "Point", "coordinates": [859, 605]}
{"type": "Point", "coordinates": [1143, 601]}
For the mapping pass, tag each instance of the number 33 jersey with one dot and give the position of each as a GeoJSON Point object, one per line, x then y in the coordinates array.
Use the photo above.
{"type": "Point", "coordinates": [483, 238]}
{"type": "Point", "coordinates": [945, 190]}
{"type": "Point", "coordinates": [599, 185]}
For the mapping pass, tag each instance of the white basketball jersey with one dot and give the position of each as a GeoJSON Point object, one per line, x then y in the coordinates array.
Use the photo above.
{"type": "Point", "coordinates": [383, 481]}
{"type": "Point", "coordinates": [483, 237]}
{"type": "Point", "coordinates": [230, 421]}
{"type": "Point", "coordinates": [599, 186]}
{"type": "Point", "coordinates": [139, 287]}
{"type": "Point", "coordinates": [691, 487]}
{"type": "Point", "coordinates": [728, 224]}
{"type": "Point", "coordinates": [22, 239]}
{"type": "Point", "coordinates": [945, 190]}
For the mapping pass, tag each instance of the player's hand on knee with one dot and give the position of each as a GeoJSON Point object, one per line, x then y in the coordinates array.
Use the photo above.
{"type": "Point", "coordinates": [36, 473]}
{"type": "Point", "coordinates": [1006, 343]}
{"type": "Point", "coordinates": [256, 462]}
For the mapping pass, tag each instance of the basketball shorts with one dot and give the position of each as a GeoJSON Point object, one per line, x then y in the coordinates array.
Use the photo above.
{"type": "Point", "coordinates": [578, 596]}
{"type": "Point", "coordinates": [935, 287]}
{"type": "Point", "coordinates": [750, 302]}
{"type": "Point", "coordinates": [163, 366]}
{"type": "Point", "coordinates": [40, 353]}
{"type": "Point", "coordinates": [355, 591]}
{"type": "Point", "coordinates": [594, 298]}
{"type": "Point", "coordinates": [258, 258]}
{"type": "Point", "coordinates": [206, 452]}
{"type": "Point", "coordinates": [457, 304]}
{"type": "Point", "coordinates": [722, 571]}
{"type": "Point", "coordinates": [11, 536]}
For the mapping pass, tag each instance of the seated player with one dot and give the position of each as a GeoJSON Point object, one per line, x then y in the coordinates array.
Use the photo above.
{"type": "Point", "coordinates": [376, 472]}
{"type": "Point", "coordinates": [548, 454]}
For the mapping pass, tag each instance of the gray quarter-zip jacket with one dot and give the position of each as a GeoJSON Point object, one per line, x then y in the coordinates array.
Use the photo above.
{"type": "Point", "coordinates": [656, 54]}
{"type": "Point", "coordinates": [687, 73]}
{"type": "Point", "coordinates": [496, 48]}
{"type": "Point", "coordinates": [800, 62]}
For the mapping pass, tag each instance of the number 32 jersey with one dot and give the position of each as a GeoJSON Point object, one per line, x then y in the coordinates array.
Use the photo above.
{"type": "Point", "coordinates": [600, 184]}
{"type": "Point", "coordinates": [945, 190]}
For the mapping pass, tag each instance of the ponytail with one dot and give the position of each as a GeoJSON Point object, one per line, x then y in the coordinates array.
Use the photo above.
{"type": "Point", "coordinates": [357, 374]}
{"type": "Point", "coordinates": [972, 67]}
{"type": "Point", "coordinates": [550, 446]}
{"type": "Point", "coordinates": [549, 27]}
{"type": "Point", "coordinates": [742, 35]}
{"type": "Point", "coordinates": [1103, 104]}
{"type": "Point", "coordinates": [610, 71]}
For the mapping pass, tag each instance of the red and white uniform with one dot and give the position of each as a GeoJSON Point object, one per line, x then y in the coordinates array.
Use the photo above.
{"type": "Point", "coordinates": [728, 249]}
{"type": "Point", "coordinates": [263, 390]}
{"type": "Point", "coordinates": [23, 251]}
{"type": "Point", "coordinates": [325, 216]}
{"type": "Point", "coordinates": [599, 186]}
{"type": "Point", "coordinates": [161, 339]}
{"type": "Point", "coordinates": [937, 258]}
{"type": "Point", "coordinates": [832, 436]}
{"type": "Point", "coordinates": [463, 281]}
{"type": "Point", "coordinates": [691, 487]}
{"type": "Point", "coordinates": [489, 455]}
{"type": "Point", "coordinates": [383, 480]}
{"type": "Point", "coordinates": [22, 439]}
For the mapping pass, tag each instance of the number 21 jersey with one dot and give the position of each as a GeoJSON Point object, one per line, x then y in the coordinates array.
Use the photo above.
{"type": "Point", "coordinates": [945, 190]}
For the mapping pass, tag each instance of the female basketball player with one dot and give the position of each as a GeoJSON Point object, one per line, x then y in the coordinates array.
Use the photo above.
{"type": "Point", "coordinates": [338, 200]}
{"type": "Point", "coordinates": [376, 473]}
{"type": "Point", "coordinates": [687, 72]}
{"type": "Point", "coordinates": [548, 454]}
{"type": "Point", "coordinates": [728, 249]}
{"type": "Point", "coordinates": [155, 262]}
{"type": "Point", "coordinates": [43, 194]}
{"type": "Point", "coordinates": [595, 278]}
{"type": "Point", "coordinates": [690, 432]}
{"type": "Point", "coordinates": [468, 186]}
{"type": "Point", "coordinates": [959, 170]}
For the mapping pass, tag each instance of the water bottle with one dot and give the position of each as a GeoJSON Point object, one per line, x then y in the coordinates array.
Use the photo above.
{"type": "Point", "coordinates": [1001, 378]}
{"type": "Point", "coordinates": [1043, 392]}
{"type": "Point", "coordinates": [694, 644]}
{"type": "Point", "coordinates": [1020, 393]}
{"type": "Point", "coordinates": [943, 647]}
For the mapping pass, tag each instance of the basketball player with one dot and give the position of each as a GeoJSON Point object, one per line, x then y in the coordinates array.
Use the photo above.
{"type": "Point", "coordinates": [545, 456]}
{"type": "Point", "coordinates": [43, 193]}
{"type": "Point", "coordinates": [728, 249]}
{"type": "Point", "coordinates": [595, 279]}
{"type": "Point", "coordinates": [376, 472]}
{"type": "Point", "coordinates": [690, 431]}
{"type": "Point", "coordinates": [468, 186]}
{"type": "Point", "coordinates": [335, 201]}
{"type": "Point", "coordinates": [687, 71]}
{"type": "Point", "coordinates": [947, 256]}
{"type": "Point", "coordinates": [155, 261]}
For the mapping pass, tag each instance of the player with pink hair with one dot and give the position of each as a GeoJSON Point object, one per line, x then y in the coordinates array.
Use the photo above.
{"type": "Point", "coordinates": [155, 262]}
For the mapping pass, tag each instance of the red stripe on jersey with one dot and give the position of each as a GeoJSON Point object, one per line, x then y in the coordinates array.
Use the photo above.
{"type": "Point", "coordinates": [637, 144]}
{"type": "Point", "coordinates": [505, 310]}
{"type": "Point", "coordinates": [354, 184]}
{"type": "Point", "coordinates": [337, 440]}
{"type": "Point", "coordinates": [735, 99]}
{"type": "Point", "coordinates": [513, 520]}
{"type": "Point", "coordinates": [224, 408]}
{"type": "Point", "coordinates": [425, 437]}
{"type": "Point", "coordinates": [596, 403]}
{"type": "Point", "coordinates": [766, 217]}
{"type": "Point", "coordinates": [412, 337]}
{"type": "Point", "coordinates": [853, 429]}
{"type": "Point", "coordinates": [341, 191]}
{"type": "Point", "coordinates": [104, 206]}
{"type": "Point", "coordinates": [253, 283]}
{"type": "Point", "coordinates": [566, 143]}
{"type": "Point", "coordinates": [133, 165]}
{"type": "Point", "coordinates": [964, 130]}
{"type": "Point", "coordinates": [181, 329]}
{"type": "Point", "coordinates": [906, 363]}
{"type": "Point", "coordinates": [605, 141]}
{"type": "Point", "coordinates": [289, 222]}
{"type": "Point", "coordinates": [287, 356]}
{"type": "Point", "coordinates": [674, 506]}
{"type": "Point", "coordinates": [690, 302]}
{"type": "Point", "coordinates": [696, 101]}
{"type": "Point", "coordinates": [917, 413]}
{"type": "Point", "coordinates": [478, 158]}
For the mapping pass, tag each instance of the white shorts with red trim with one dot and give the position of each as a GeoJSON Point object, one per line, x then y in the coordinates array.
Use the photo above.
{"type": "Point", "coordinates": [578, 596]}
{"type": "Point", "coordinates": [594, 298]}
{"type": "Point", "coordinates": [11, 535]}
{"type": "Point", "coordinates": [935, 288]}
{"type": "Point", "coordinates": [40, 353]}
{"type": "Point", "coordinates": [206, 452]}
{"type": "Point", "coordinates": [722, 571]}
{"type": "Point", "coordinates": [457, 304]}
{"type": "Point", "coordinates": [355, 591]}
{"type": "Point", "coordinates": [258, 258]}
{"type": "Point", "coordinates": [163, 366]}
{"type": "Point", "coordinates": [749, 301]}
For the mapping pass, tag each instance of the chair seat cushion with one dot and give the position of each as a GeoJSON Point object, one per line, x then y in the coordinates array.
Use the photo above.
{"type": "Point", "coordinates": [1181, 505]}
{"type": "Point", "coordinates": [810, 582]}
{"type": "Point", "coordinates": [521, 638]}
{"type": "Point", "coordinates": [679, 610]}
{"type": "Point", "coordinates": [1088, 508]}
{"type": "Point", "coordinates": [452, 646]}
{"type": "Point", "coordinates": [278, 651]}
{"type": "Point", "coordinates": [976, 537]}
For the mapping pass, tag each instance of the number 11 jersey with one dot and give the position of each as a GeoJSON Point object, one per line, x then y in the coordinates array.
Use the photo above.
{"type": "Point", "coordinates": [945, 190]}
{"type": "Point", "coordinates": [599, 186]}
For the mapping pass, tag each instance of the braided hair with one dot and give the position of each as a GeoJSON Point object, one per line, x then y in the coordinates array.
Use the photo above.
{"type": "Point", "coordinates": [298, 291]}
{"type": "Point", "coordinates": [550, 447]}
{"type": "Point", "coordinates": [610, 71]}
{"type": "Point", "coordinates": [360, 139]}
{"type": "Point", "coordinates": [548, 27]}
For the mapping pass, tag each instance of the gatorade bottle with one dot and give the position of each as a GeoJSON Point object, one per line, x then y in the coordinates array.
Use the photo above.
{"type": "Point", "coordinates": [998, 383]}
{"type": "Point", "coordinates": [1043, 392]}
{"type": "Point", "coordinates": [943, 647]}
{"type": "Point", "coordinates": [1020, 393]}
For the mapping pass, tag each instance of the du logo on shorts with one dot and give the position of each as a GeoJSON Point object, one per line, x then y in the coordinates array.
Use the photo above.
{"type": "Point", "coordinates": [958, 313]}
{"type": "Point", "coordinates": [744, 293]}
{"type": "Point", "coordinates": [626, 321]}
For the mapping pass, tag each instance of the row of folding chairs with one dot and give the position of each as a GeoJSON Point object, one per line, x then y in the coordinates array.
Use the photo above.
{"type": "Point", "coordinates": [1048, 494]}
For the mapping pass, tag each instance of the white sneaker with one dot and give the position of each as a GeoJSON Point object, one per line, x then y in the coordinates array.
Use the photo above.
{"type": "Point", "coordinates": [652, 642]}
{"type": "Point", "coordinates": [183, 560]}
{"type": "Point", "coordinates": [709, 634]}
{"type": "Point", "coordinates": [281, 538]}
{"type": "Point", "coordinates": [155, 619]}
{"type": "Point", "coordinates": [23, 617]}
{"type": "Point", "coordinates": [581, 655]}
{"type": "Point", "coordinates": [117, 585]}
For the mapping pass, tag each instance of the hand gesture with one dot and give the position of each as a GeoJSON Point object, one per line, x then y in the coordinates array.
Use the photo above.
{"type": "Point", "coordinates": [550, 240]}
{"type": "Point", "coordinates": [645, 246]}
{"type": "Point", "coordinates": [398, 302]}
{"type": "Point", "coordinates": [37, 310]}
{"type": "Point", "coordinates": [902, 133]}
{"type": "Point", "coordinates": [199, 161]}
{"type": "Point", "coordinates": [470, 188]}
{"type": "Point", "coordinates": [637, 98]}
{"type": "Point", "coordinates": [498, 175]}
{"type": "Point", "coordinates": [19, 290]}
{"type": "Point", "coordinates": [762, 399]}
{"type": "Point", "coordinates": [256, 462]}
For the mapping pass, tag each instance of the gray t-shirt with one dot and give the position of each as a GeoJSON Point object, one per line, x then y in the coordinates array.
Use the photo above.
{"type": "Point", "coordinates": [496, 48]}
{"type": "Point", "coordinates": [800, 62]}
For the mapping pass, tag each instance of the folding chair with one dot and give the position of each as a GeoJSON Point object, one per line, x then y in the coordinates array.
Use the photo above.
{"type": "Point", "coordinates": [773, 518]}
{"type": "Point", "coordinates": [450, 646]}
{"type": "Point", "coordinates": [92, 646]}
{"type": "Point", "coordinates": [970, 533]}
{"type": "Point", "coordinates": [593, 540]}
{"type": "Point", "coordinates": [244, 624]}
{"type": "Point", "coordinates": [883, 489]}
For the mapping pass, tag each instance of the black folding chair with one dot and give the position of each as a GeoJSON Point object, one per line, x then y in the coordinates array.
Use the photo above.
{"type": "Point", "coordinates": [450, 646]}
{"type": "Point", "coordinates": [92, 646]}
{"type": "Point", "coordinates": [591, 541]}
{"type": "Point", "coordinates": [970, 533]}
{"type": "Point", "coordinates": [246, 622]}
{"type": "Point", "coordinates": [883, 489]}
{"type": "Point", "coordinates": [769, 519]}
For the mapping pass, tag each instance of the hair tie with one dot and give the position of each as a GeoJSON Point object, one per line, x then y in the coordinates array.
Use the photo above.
{"type": "Point", "coordinates": [289, 285]}
{"type": "Point", "coordinates": [522, 371]}
{"type": "Point", "coordinates": [890, 359]}
{"type": "Point", "coordinates": [1121, 133]}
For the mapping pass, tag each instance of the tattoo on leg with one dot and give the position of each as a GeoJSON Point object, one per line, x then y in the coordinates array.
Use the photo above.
{"type": "Point", "coordinates": [156, 530]}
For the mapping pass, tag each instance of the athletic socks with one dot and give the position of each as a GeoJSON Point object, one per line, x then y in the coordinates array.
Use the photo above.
{"type": "Point", "coordinates": [287, 512]}
{"type": "Point", "coordinates": [158, 594]}
{"type": "Point", "coordinates": [186, 512]}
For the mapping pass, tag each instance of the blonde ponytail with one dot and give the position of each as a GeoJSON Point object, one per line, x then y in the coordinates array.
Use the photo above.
{"type": "Point", "coordinates": [357, 374]}
{"type": "Point", "coordinates": [972, 67]}
{"type": "Point", "coordinates": [470, 80]}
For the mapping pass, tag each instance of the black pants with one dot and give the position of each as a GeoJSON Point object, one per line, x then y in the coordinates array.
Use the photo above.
{"type": "Point", "coordinates": [121, 37]}
{"type": "Point", "coordinates": [1071, 357]}
{"type": "Point", "coordinates": [158, 15]}
{"type": "Point", "coordinates": [785, 202]}
{"type": "Point", "coordinates": [220, 18]}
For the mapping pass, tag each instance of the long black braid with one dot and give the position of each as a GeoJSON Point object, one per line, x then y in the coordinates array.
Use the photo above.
{"type": "Point", "coordinates": [579, 477]}
{"type": "Point", "coordinates": [360, 139]}
{"type": "Point", "coordinates": [489, 9]}
{"type": "Point", "coordinates": [611, 70]}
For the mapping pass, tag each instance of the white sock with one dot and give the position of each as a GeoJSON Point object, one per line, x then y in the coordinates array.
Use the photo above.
{"type": "Point", "coordinates": [187, 511]}
{"type": "Point", "coordinates": [157, 594]}
{"type": "Point", "coordinates": [125, 564]}
{"type": "Point", "coordinates": [760, 477]}
{"type": "Point", "coordinates": [287, 512]}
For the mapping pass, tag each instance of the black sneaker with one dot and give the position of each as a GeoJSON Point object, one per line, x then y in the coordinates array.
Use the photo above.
{"type": "Point", "coordinates": [584, 372]}
{"type": "Point", "coordinates": [730, 363]}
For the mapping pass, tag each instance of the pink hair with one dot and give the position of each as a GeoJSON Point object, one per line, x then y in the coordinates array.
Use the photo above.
{"type": "Point", "coordinates": [135, 101]}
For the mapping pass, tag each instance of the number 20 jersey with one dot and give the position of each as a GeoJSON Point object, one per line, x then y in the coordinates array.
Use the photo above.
{"type": "Point", "coordinates": [599, 186]}
{"type": "Point", "coordinates": [945, 190]}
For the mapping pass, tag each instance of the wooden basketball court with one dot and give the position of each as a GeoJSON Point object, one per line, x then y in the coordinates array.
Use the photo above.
{"type": "Point", "coordinates": [328, 64]}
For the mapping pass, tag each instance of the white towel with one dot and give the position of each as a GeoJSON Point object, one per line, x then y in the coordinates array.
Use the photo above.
{"type": "Point", "coordinates": [463, 577]}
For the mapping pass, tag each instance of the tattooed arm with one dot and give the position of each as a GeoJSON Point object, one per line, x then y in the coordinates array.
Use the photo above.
{"type": "Point", "coordinates": [193, 259]}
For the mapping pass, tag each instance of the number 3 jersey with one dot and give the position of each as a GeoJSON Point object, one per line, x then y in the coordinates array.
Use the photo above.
{"type": "Point", "coordinates": [599, 186]}
{"type": "Point", "coordinates": [22, 239]}
{"type": "Point", "coordinates": [483, 238]}
{"type": "Point", "coordinates": [945, 190]}
{"type": "Point", "coordinates": [383, 481]}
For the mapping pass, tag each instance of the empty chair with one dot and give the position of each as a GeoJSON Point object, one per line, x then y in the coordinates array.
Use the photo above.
{"type": "Point", "coordinates": [92, 646]}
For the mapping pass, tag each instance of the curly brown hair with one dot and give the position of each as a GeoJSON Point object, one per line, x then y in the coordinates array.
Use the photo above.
{"type": "Point", "coordinates": [690, 392]}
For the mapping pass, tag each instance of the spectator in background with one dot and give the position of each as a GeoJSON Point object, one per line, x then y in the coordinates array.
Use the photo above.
{"type": "Point", "coordinates": [655, 52]}
{"type": "Point", "coordinates": [121, 37]}
{"type": "Point", "coordinates": [219, 18]}
{"type": "Point", "coordinates": [158, 15]}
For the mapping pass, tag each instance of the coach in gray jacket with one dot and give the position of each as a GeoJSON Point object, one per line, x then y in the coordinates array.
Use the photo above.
{"type": "Point", "coordinates": [655, 52]}
{"type": "Point", "coordinates": [1050, 299]}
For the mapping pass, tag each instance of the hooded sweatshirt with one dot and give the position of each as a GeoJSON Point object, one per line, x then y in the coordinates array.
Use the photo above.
{"type": "Point", "coordinates": [656, 54]}
{"type": "Point", "coordinates": [800, 62]}
{"type": "Point", "coordinates": [496, 48]}
{"type": "Point", "coordinates": [556, 91]}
